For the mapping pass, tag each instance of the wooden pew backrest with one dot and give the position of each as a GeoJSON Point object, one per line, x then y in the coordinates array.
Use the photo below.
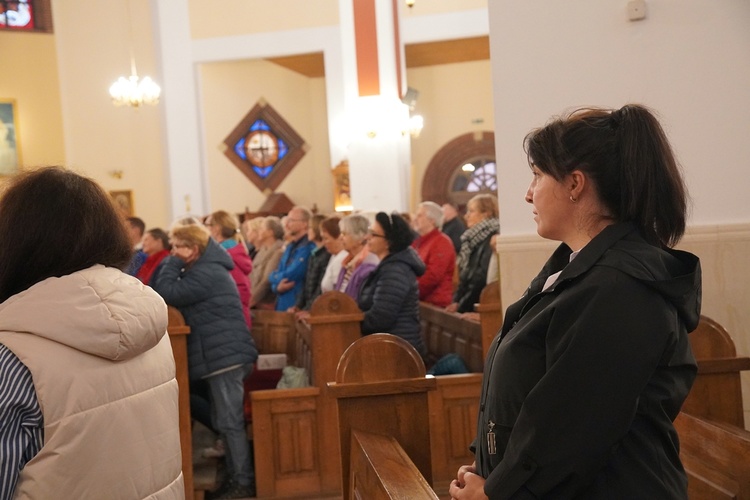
{"type": "Point", "coordinates": [381, 470]}
{"type": "Point", "coordinates": [717, 391]}
{"type": "Point", "coordinates": [716, 457]}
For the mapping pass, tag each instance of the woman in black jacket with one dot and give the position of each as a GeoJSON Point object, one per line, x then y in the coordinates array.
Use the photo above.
{"type": "Point", "coordinates": [476, 251]}
{"type": "Point", "coordinates": [593, 363]}
{"type": "Point", "coordinates": [390, 295]}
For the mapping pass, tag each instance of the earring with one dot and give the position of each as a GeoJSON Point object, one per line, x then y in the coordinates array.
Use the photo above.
{"type": "Point", "coordinates": [573, 199]}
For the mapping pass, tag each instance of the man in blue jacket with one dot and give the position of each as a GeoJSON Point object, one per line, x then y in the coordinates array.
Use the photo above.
{"type": "Point", "coordinates": [288, 279]}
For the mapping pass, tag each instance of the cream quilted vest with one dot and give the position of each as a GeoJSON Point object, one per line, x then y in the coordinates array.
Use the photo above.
{"type": "Point", "coordinates": [103, 371]}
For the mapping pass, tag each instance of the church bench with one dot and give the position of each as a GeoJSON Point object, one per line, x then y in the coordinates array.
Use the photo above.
{"type": "Point", "coordinates": [178, 332]}
{"type": "Point", "coordinates": [381, 469]}
{"type": "Point", "coordinates": [716, 457]}
{"type": "Point", "coordinates": [380, 389]}
{"type": "Point", "coordinates": [295, 430]}
{"type": "Point", "coordinates": [717, 391]}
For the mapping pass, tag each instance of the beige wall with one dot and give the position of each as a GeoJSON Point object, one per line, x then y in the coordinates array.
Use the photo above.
{"type": "Point", "coordinates": [93, 51]}
{"type": "Point", "coordinates": [229, 90]}
{"type": "Point", "coordinates": [240, 17]}
{"type": "Point", "coordinates": [29, 76]}
{"type": "Point", "coordinates": [451, 98]}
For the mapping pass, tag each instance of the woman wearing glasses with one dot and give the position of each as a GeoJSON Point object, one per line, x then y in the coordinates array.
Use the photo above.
{"type": "Point", "coordinates": [390, 295]}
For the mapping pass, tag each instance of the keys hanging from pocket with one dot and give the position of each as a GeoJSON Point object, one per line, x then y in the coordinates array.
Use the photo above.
{"type": "Point", "coordinates": [491, 446]}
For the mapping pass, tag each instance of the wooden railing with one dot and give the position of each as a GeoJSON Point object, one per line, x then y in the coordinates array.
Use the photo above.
{"type": "Point", "coordinates": [717, 391]}
{"type": "Point", "coordinates": [178, 333]}
{"type": "Point", "coordinates": [295, 431]}
{"type": "Point", "coordinates": [381, 469]}
{"type": "Point", "coordinates": [381, 388]}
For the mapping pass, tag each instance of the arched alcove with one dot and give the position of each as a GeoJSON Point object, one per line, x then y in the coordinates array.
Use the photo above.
{"type": "Point", "coordinates": [437, 184]}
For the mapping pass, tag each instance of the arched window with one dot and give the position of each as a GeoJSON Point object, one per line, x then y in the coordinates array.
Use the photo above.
{"type": "Point", "coordinates": [461, 169]}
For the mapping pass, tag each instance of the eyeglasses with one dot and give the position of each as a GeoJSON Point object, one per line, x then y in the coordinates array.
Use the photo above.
{"type": "Point", "coordinates": [296, 220]}
{"type": "Point", "coordinates": [180, 245]}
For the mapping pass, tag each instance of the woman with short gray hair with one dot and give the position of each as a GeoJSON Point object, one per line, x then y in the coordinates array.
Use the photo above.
{"type": "Point", "coordinates": [360, 262]}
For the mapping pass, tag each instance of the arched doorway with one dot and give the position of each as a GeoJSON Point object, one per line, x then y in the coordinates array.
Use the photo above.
{"type": "Point", "coordinates": [446, 181]}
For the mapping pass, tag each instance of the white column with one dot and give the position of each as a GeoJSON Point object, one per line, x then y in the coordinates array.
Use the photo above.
{"type": "Point", "coordinates": [185, 174]}
{"type": "Point", "coordinates": [379, 150]}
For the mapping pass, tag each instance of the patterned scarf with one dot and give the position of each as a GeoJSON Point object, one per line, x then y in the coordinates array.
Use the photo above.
{"type": "Point", "coordinates": [474, 236]}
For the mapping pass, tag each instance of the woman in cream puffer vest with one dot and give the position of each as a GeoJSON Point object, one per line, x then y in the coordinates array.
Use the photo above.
{"type": "Point", "coordinates": [88, 388]}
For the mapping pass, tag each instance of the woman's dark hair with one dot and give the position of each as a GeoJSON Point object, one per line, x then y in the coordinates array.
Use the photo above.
{"type": "Point", "coordinates": [627, 155]}
{"type": "Point", "coordinates": [331, 226]}
{"type": "Point", "coordinates": [55, 222]}
{"type": "Point", "coordinates": [396, 230]}
{"type": "Point", "coordinates": [158, 233]}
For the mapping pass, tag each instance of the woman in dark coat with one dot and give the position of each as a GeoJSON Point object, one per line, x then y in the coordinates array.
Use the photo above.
{"type": "Point", "coordinates": [593, 363]}
{"type": "Point", "coordinates": [476, 251]}
{"type": "Point", "coordinates": [196, 280]}
{"type": "Point", "coordinates": [390, 295]}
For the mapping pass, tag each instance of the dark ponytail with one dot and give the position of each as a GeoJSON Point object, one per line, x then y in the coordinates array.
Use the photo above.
{"type": "Point", "coordinates": [653, 193]}
{"type": "Point", "coordinates": [627, 156]}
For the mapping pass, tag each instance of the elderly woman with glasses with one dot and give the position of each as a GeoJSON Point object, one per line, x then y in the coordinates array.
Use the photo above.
{"type": "Point", "coordinates": [360, 262]}
{"type": "Point", "coordinates": [390, 295]}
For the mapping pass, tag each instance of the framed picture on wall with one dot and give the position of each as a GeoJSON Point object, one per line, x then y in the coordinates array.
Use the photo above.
{"type": "Point", "coordinates": [123, 202]}
{"type": "Point", "coordinates": [10, 146]}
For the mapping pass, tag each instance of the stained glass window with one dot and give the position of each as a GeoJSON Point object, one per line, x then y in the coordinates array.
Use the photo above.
{"type": "Point", "coordinates": [17, 15]}
{"type": "Point", "coordinates": [264, 146]}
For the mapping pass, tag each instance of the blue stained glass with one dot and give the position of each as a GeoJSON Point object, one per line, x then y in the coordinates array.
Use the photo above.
{"type": "Point", "coordinates": [283, 149]}
{"type": "Point", "coordinates": [262, 172]}
{"type": "Point", "coordinates": [239, 149]}
{"type": "Point", "coordinates": [259, 125]}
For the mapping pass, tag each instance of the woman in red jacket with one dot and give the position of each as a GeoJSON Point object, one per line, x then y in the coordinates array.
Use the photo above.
{"type": "Point", "coordinates": [156, 246]}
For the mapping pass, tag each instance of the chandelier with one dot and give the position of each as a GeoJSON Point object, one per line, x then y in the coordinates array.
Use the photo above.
{"type": "Point", "coordinates": [134, 91]}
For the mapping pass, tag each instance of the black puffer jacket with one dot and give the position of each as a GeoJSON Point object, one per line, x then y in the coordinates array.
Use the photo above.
{"type": "Point", "coordinates": [390, 298]}
{"type": "Point", "coordinates": [207, 297]}
{"type": "Point", "coordinates": [473, 277]}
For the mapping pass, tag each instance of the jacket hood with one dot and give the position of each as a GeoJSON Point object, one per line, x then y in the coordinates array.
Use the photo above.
{"type": "Point", "coordinates": [409, 257]}
{"type": "Point", "coordinates": [100, 311]}
{"type": "Point", "coordinates": [216, 254]}
{"type": "Point", "coordinates": [673, 274]}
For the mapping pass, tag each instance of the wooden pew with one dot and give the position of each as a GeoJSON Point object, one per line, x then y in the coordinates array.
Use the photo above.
{"type": "Point", "coordinates": [178, 332]}
{"type": "Point", "coordinates": [717, 391]}
{"type": "Point", "coordinates": [381, 388]}
{"type": "Point", "coordinates": [271, 332]}
{"type": "Point", "coordinates": [469, 338]}
{"type": "Point", "coordinates": [454, 406]}
{"type": "Point", "coordinates": [716, 457]}
{"type": "Point", "coordinates": [295, 431]}
{"type": "Point", "coordinates": [381, 469]}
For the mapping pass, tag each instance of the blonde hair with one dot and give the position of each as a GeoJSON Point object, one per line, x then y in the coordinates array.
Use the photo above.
{"type": "Point", "coordinates": [193, 235]}
{"type": "Point", "coordinates": [486, 204]}
{"type": "Point", "coordinates": [228, 224]}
